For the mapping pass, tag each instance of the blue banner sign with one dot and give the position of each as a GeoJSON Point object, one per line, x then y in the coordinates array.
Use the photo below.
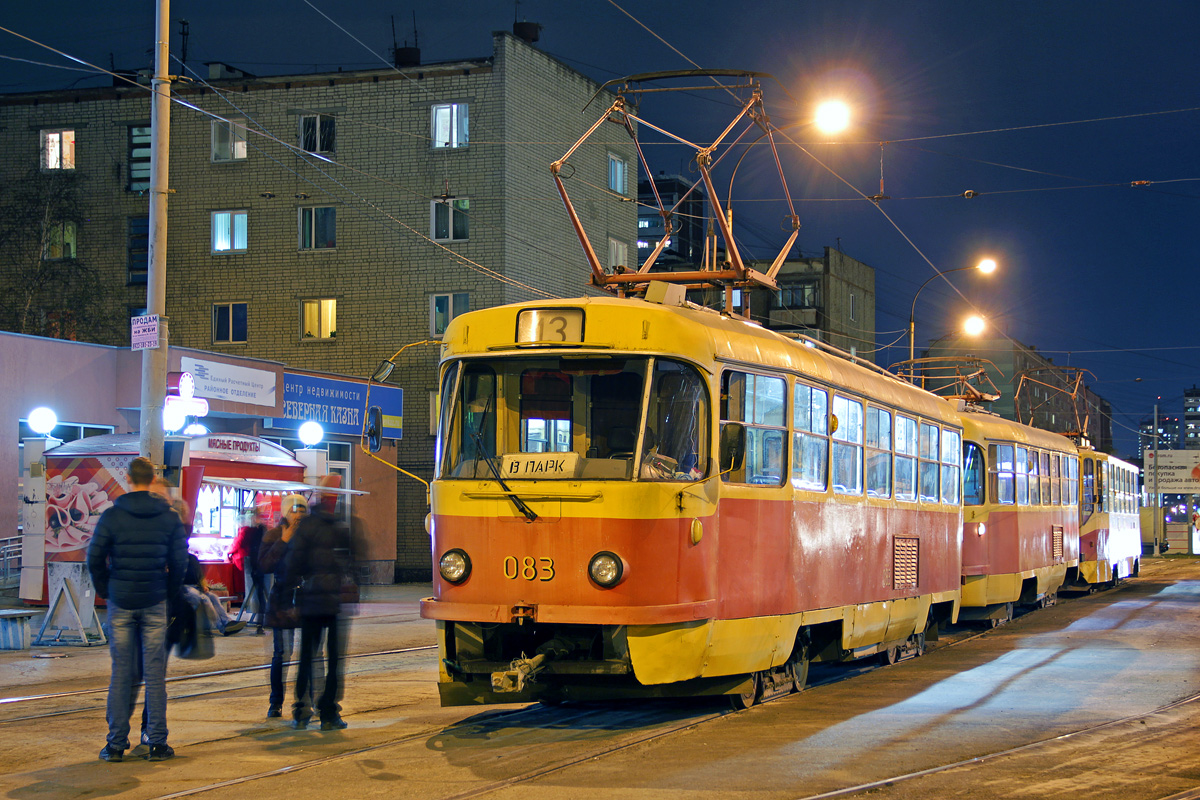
{"type": "Point", "coordinates": [339, 406]}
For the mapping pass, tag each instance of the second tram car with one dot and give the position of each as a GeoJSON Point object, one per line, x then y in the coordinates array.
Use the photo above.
{"type": "Point", "coordinates": [1110, 539]}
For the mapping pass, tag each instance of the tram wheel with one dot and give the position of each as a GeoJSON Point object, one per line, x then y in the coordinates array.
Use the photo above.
{"type": "Point", "coordinates": [799, 672]}
{"type": "Point", "coordinates": [919, 644]}
{"type": "Point", "coordinates": [745, 699]}
{"type": "Point", "coordinates": [888, 656]}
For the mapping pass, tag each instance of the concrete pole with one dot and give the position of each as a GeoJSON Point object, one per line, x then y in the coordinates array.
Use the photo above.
{"type": "Point", "coordinates": [1154, 485]}
{"type": "Point", "coordinates": [154, 360]}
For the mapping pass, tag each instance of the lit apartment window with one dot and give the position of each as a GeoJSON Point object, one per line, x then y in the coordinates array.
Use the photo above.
{"type": "Point", "coordinates": [139, 158]}
{"type": "Point", "coordinates": [448, 125]}
{"type": "Point", "coordinates": [228, 139]}
{"type": "Point", "coordinates": [137, 249]}
{"type": "Point", "coordinates": [58, 243]}
{"type": "Point", "coordinates": [58, 149]}
{"type": "Point", "coordinates": [229, 323]}
{"type": "Point", "coordinates": [229, 231]}
{"type": "Point", "coordinates": [618, 253]}
{"type": "Point", "coordinates": [449, 219]}
{"type": "Point", "coordinates": [318, 319]}
{"type": "Point", "coordinates": [616, 173]}
{"type": "Point", "coordinates": [318, 133]}
{"type": "Point", "coordinates": [318, 228]}
{"type": "Point", "coordinates": [445, 307]}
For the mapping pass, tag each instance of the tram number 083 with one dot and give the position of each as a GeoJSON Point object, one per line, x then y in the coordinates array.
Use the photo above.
{"type": "Point", "coordinates": [529, 568]}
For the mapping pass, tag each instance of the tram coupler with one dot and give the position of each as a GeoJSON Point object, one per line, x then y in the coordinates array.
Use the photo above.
{"type": "Point", "coordinates": [523, 671]}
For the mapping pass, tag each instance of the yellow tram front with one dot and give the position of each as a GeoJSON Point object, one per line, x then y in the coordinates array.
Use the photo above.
{"type": "Point", "coordinates": [1110, 539]}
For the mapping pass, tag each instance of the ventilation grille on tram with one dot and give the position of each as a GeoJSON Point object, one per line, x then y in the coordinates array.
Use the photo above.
{"type": "Point", "coordinates": [1057, 543]}
{"type": "Point", "coordinates": [904, 563]}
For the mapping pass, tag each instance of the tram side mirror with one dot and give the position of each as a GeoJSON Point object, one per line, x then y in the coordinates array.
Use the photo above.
{"type": "Point", "coordinates": [374, 428]}
{"type": "Point", "coordinates": [382, 372]}
{"type": "Point", "coordinates": [733, 446]}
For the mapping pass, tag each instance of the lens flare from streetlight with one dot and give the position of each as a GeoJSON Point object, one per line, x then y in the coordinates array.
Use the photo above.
{"type": "Point", "coordinates": [974, 325]}
{"type": "Point", "coordinates": [833, 116]}
{"type": "Point", "coordinates": [987, 266]}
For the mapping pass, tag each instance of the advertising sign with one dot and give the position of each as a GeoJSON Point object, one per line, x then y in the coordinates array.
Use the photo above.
{"type": "Point", "coordinates": [339, 406]}
{"type": "Point", "coordinates": [215, 380]}
{"type": "Point", "coordinates": [144, 332]}
{"type": "Point", "coordinates": [1178, 472]}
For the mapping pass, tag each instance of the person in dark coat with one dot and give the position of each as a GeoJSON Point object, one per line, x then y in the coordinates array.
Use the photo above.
{"type": "Point", "coordinates": [244, 555]}
{"type": "Point", "coordinates": [137, 559]}
{"type": "Point", "coordinates": [320, 562]}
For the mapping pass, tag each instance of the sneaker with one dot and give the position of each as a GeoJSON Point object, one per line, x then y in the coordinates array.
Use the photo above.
{"type": "Point", "coordinates": [335, 724]}
{"type": "Point", "coordinates": [142, 749]}
{"type": "Point", "coordinates": [111, 754]}
{"type": "Point", "coordinates": [299, 724]}
{"type": "Point", "coordinates": [274, 711]}
{"type": "Point", "coordinates": [160, 752]}
{"type": "Point", "coordinates": [233, 627]}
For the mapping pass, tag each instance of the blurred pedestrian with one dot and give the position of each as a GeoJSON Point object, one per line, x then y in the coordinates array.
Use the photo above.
{"type": "Point", "coordinates": [320, 564]}
{"type": "Point", "coordinates": [137, 559]}
{"type": "Point", "coordinates": [244, 555]}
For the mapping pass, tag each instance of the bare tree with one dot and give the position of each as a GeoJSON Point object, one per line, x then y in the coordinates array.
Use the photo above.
{"type": "Point", "coordinates": [49, 290]}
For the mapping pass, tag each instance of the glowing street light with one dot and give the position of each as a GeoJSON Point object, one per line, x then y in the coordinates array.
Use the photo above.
{"type": "Point", "coordinates": [311, 433]}
{"type": "Point", "coordinates": [42, 420]}
{"type": "Point", "coordinates": [833, 116]}
{"type": "Point", "coordinates": [986, 266]}
{"type": "Point", "coordinates": [974, 325]}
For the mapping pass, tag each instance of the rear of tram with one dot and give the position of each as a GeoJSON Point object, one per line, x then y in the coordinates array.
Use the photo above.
{"type": "Point", "coordinates": [568, 502]}
{"type": "Point", "coordinates": [1110, 539]}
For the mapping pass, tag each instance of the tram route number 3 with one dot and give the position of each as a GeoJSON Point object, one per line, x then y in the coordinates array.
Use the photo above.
{"type": "Point", "coordinates": [550, 325]}
{"type": "Point", "coordinates": [529, 568]}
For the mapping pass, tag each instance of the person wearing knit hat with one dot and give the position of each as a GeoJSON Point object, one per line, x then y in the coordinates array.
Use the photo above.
{"type": "Point", "coordinates": [282, 615]}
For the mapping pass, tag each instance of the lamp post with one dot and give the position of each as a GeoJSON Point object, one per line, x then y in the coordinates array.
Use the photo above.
{"type": "Point", "coordinates": [986, 266]}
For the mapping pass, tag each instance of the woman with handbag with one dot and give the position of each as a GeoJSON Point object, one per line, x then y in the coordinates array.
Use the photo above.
{"type": "Point", "coordinates": [283, 615]}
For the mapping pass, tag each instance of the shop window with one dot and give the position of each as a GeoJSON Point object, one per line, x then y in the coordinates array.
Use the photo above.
{"type": "Point", "coordinates": [318, 319]}
{"type": "Point", "coordinates": [318, 133]}
{"type": "Point", "coordinates": [229, 323]}
{"type": "Point", "coordinates": [139, 158]}
{"type": "Point", "coordinates": [229, 231]}
{"type": "Point", "coordinates": [318, 228]}
{"type": "Point", "coordinates": [445, 307]}
{"type": "Point", "coordinates": [228, 140]}
{"type": "Point", "coordinates": [449, 219]}
{"type": "Point", "coordinates": [448, 125]}
{"type": "Point", "coordinates": [58, 243]}
{"type": "Point", "coordinates": [58, 149]}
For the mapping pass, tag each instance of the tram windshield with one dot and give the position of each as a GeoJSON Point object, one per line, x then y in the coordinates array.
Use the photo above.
{"type": "Point", "coordinates": [571, 418]}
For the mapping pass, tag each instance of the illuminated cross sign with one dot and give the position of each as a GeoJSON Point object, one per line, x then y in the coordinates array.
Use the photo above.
{"type": "Point", "coordinates": [181, 399]}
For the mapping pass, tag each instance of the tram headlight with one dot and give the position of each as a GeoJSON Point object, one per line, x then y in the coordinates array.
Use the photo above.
{"type": "Point", "coordinates": [606, 569]}
{"type": "Point", "coordinates": [981, 530]}
{"type": "Point", "coordinates": [455, 565]}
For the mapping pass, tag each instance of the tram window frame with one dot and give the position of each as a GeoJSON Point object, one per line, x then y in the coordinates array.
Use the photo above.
{"type": "Point", "coordinates": [675, 444]}
{"type": "Point", "coordinates": [951, 466]}
{"type": "Point", "coordinates": [810, 440]}
{"type": "Point", "coordinates": [878, 452]}
{"type": "Point", "coordinates": [928, 463]}
{"type": "Point", "coordinates": [1002, 478]}
{"type": "Point", "coordinates": [1044, 478]}
{"type": "Point", "coordinates": [1056, 492]}
{"type": "Point", "coordinates": [1021, 472]}
{"type": "Point", "coordinates": [535, 396]}
{"type": "Point", "coordinates": [746, 397]}
{"type": "Point", "coordinates": [904, 480]}
{"type": "Point", "coordinates": [847, 450]}
{"type": "Point", "coordinates": [1035, 483]}
{"type": "Point", "coordinates": [1088, 497]}
{"type": "Point", "coordinates": [974, 468]}
{"type": "Point", "coordinates": [1071, 487]}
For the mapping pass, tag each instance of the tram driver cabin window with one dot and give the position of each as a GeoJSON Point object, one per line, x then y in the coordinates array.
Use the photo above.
{"type": "Point", "coordinates": [448, 125]}
{"type": "Point", "coordinates": [318, 319]}
{"type": "Point", "coordinates": [58, 149]}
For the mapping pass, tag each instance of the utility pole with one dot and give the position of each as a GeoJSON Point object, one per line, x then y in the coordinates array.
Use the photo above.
{"type": "Point", "coordinates": [1154, 484]}
{"type": "Point", "coordinates": [154, 359]}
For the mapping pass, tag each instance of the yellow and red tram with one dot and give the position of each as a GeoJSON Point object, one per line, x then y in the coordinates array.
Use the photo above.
{"type": "Point", "coordinates": [640, 499]}
{"type": "Point", "coordinates": [1110, 539]}
{"type": "Point", "coordinates": [1020, 518]}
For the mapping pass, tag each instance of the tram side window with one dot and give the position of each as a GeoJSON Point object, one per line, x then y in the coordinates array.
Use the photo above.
{"type": "Point", "coordinates": [757, 401]}
{"type": "Point", "coordinates": [1071, 482]}
{"type": "Point", "coordinates": [847, 446]}
{"type": "Point", "coordinates": [1035, 485]}
{"type": "Point", "coordinates": [906, 458]}
{"type": "Point", "coordinates": [1003, 483]}
{"type": "Point", "coordinates": [545, 411]}
{"type": "Point", "coordinates": [1044, 478]}
{"type": "Point", "coordinates": [973, 472]}
{"type": "Point", "coordinates": [951, 453]}
{"type": "Point", "coordinates": [1021, 468]}
{"type": "Point", "coordinates": [473, 440]}
{"type": "Point", "coordinates": [879, 452]}
{"type": "Point", "coordinates": [675, 443]}
{"type": "Point", "coordinates": [1089, 489]}
{"type": "Point", "coordinates": [810, 443]}
{"type": "Point", "coordinates": [927, 466]}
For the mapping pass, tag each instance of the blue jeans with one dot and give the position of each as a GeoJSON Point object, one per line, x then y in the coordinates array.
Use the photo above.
{"type": "Point", "coordinates": [284, 644]}
{"type": "Point", "coordinates": [131, 631]}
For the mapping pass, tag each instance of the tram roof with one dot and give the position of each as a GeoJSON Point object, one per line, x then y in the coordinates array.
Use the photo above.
{"type": "Point", "coordinates": [701, 336]}
{"type": "Point", "coordinates": [985, 425]}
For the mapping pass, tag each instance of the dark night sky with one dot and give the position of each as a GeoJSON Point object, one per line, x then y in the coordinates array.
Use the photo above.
{"type": "Point", "coordinates": [1093, 272]}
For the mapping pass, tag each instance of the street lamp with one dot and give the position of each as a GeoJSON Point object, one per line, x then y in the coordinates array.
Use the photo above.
{"type": "Point", "coordinates": [986, 266]}
{"type": "Point", "coordinates": [833, 116]}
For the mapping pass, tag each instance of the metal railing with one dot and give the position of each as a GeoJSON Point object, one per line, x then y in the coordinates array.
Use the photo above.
{"type": "Point", "coordinates": [10, 561]}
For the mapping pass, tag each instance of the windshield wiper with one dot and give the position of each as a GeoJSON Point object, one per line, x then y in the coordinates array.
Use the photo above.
{"type": "Point", "coordinates": [530, 514]}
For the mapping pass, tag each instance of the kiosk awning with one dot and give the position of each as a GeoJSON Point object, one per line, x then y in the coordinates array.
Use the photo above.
{"type": "Point", "coordinates": [283, 487]}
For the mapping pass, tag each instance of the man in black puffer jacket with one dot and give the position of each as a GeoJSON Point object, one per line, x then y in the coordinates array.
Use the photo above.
{"type": "Point", "coordinates": [137, 559]}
